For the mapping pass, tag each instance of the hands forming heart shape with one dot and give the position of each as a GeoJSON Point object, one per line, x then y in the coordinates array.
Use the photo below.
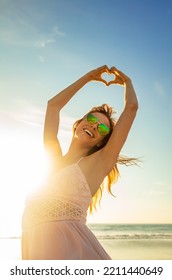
{"type": "Point", "coordinates": [109, 76]}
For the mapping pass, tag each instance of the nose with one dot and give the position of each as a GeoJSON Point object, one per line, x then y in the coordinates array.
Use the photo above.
{"type": "Point", "coordinates": [95, 125]}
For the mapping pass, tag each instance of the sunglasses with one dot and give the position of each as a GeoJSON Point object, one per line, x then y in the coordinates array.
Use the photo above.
{"type": "Point", "coordinates": [102, 128]}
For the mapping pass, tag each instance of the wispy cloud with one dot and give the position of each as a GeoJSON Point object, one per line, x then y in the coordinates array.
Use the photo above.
{"type": "Point", "coordinates": [20, 27]}
{"type": "Point", "coordinates": [34, 115]}
{"type": "Point", "coordinates": [49, 38]}
{"type": "Point", "coordinates": [43, 42]}
{"type": "Point", "coordinates": [30, 117]}
{"type": "Point", "coordinates": [56, 30]}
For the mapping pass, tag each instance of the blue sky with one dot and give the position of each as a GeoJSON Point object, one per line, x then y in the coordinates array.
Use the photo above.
{"type": "Point", "coordinates": [45, 46]}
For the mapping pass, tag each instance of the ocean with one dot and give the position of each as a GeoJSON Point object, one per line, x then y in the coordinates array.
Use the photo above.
{"type": "Point", "coordinates": [121, 241]}
{"type": "Point", "coordinates": [132, 231]}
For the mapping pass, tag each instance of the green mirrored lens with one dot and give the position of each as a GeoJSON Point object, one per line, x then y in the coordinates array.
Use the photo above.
{"type": "Point", "coordinates": [91, 119]}
{"type": "Point", "coordinates": [103, 129]}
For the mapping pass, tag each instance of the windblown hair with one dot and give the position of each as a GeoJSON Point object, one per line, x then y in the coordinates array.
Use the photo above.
{"type": "Point", "coordinates": [114, 174]}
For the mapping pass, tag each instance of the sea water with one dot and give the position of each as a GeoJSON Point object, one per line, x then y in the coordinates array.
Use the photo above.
{"type": "Point", "coordinates": [132, 231]}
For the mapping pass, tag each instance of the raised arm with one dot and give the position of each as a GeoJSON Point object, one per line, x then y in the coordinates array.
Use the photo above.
{"type": "Point", "coordinates": [119, 135]}
{"type": "Point", "coordinates": [55, 105]}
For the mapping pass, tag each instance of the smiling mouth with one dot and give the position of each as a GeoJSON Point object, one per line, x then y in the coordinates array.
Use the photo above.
{"type": "Point", "coordinates": [88, 132]}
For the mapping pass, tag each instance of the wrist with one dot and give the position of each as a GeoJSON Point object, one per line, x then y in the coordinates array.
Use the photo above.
{"type": "Point", "coordinates": [128, 82]}
{"type": "Point", "coordinates": [88, 77]}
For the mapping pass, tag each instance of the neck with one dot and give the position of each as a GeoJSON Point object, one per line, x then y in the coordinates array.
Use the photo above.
{"type": "Point", "coordinates": [76, 151]}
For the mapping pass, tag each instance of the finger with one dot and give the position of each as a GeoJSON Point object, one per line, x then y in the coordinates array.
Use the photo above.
{"type": "Point", "coordinates": [110, 83]}
{"type": "Point", "coordinates": [100, 79]}
{"type": "Point", "coordinates": [112, 69]}
{"type": "Point", "coordinates": [104, 68]}
{"type": "Point", "coordinates": [120, 74]}
{"type": "Point", "coordinates": [118, 81]}
{"type": "Point", "coordinates": [104, 81]}
{"type": "Point", "coordinates": [117, 72]}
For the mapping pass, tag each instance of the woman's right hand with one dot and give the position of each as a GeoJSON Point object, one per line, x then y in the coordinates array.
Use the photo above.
{"type": "Point", "coordinates": [96, 74]}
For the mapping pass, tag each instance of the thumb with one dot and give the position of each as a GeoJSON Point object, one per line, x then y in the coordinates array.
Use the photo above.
{"type": "Point", "coordinates": [111, 82]}
{"type": "Point", "coordinates": [104, 81]}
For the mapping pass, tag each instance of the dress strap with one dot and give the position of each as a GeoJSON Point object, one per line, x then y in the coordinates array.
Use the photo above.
{"type": "Point", "coordinates": [79, 160]}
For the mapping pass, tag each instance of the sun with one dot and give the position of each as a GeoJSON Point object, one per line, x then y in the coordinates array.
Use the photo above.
{"type": "Point", "coordinates": [33, 166]}
{"type": "Point", "coordinates": [24, 167]}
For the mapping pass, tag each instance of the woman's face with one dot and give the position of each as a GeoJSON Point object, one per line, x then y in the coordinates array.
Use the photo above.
{"type": "Point", "coordinates": [88, 133]}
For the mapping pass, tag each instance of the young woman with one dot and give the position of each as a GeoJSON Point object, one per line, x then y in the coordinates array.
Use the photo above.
{"type": "Point", "coordinates": [54, 219]}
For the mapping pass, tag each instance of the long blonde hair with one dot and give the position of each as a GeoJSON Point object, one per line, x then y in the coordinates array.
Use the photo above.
{"type": "Point", "coordinates": [113, 175]}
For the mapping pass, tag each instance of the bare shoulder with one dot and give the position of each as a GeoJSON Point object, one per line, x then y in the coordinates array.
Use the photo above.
{"type": "Point", "coordinates": [53, 147]}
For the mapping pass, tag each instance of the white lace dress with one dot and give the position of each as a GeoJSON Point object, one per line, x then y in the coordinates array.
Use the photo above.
{"type": "Point", "coordinates": [54, 221]}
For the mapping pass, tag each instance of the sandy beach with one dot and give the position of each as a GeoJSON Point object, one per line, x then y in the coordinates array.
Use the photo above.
{"type": "Point", "coordinates": [138, 249]}
{"type": "Point", "coordinates": [10, 249]}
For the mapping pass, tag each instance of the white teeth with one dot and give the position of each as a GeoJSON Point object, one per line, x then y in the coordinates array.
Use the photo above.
{"type": "Point", "coordinates": [89, 132]}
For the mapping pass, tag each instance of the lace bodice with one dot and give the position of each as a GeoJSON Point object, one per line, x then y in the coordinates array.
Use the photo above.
{"type": "Point", "coordinates": [65, 196]}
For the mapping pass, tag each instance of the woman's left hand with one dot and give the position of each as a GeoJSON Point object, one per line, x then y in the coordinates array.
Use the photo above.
{"type": "Point", "coordinates": [120, 78]}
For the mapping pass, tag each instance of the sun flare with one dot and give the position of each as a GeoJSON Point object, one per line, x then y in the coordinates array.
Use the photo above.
{"type": "Point", "coordinates": [24, 167]}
